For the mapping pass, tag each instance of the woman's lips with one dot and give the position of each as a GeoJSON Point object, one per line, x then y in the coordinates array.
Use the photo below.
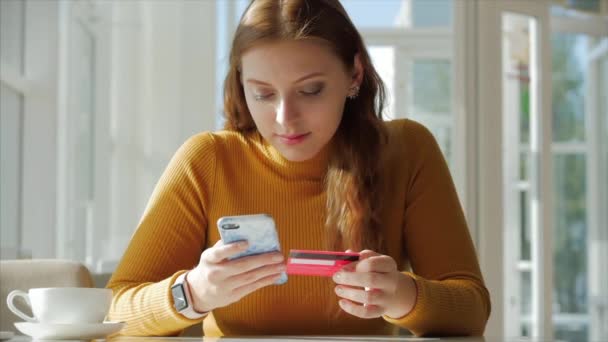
{"type": "Point", "coordinates": [292, 139]}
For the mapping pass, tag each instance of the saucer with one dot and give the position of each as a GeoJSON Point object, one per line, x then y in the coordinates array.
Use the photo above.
{"type": "Point", "coordinates": [80, 331]}
{"type": "Point", "coordinates": [6, 335]}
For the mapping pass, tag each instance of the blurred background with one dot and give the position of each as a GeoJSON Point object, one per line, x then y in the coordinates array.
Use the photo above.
{"type": "Point", "coordinates": [96, 96]}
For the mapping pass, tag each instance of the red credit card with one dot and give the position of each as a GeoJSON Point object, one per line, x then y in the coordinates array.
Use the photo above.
{"type": "Point", "coordinates": [318, 263]}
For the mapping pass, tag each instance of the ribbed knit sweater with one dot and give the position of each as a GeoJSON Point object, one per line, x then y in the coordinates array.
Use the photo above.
{"type": "Point", "coordinates": [227, 173]}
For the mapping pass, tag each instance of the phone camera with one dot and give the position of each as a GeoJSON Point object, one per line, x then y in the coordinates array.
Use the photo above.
{"type": "Point", "coordinates": [230, 226]}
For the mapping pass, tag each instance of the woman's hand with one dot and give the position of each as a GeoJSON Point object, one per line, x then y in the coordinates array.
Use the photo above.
{"type": "Point", "coordinates": [373, 286]}
{"type": "Point", "coordinates": [217, 282]}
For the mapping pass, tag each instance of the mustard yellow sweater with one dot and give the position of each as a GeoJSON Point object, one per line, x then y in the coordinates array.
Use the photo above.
{"type": "Point", "coordinates": [226, 173]}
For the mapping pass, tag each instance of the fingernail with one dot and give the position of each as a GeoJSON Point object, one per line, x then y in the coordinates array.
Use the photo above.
{"type": "Point", "coordinates": [277, 258]}
{"type": "Point", "coordinates": [337, 276]}
{"type": "Point", "coordinates": [242, 244]}
{"type": "Point", "coordinates": [338, 290]}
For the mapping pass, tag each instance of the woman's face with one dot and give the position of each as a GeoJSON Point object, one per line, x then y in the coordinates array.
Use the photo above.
{"type": "Point", "coordinates": [295, 92]}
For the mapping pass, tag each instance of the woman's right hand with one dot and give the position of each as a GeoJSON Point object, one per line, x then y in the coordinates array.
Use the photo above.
{"type": "Point", "coordinates": [217, 282]}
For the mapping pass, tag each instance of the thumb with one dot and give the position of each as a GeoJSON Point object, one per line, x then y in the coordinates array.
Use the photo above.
{"type": "Point", "coordinates": [366, 254]}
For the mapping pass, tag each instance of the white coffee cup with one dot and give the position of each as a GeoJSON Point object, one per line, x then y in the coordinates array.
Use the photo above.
{"type": "Point", "coordinates": [63, 305]}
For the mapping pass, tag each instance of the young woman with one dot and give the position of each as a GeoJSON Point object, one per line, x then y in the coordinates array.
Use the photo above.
{"type": "Point", "coordinates": [304, 142]}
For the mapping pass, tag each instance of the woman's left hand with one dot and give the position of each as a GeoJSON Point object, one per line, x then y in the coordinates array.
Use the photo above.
{"type": "Point", "coordinates": [373, 286]}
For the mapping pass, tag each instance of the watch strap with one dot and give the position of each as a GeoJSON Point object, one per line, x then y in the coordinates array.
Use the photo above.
{"type": "Point", "coordinates": [189, 311]}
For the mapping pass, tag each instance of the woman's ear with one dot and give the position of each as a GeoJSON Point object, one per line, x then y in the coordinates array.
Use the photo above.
{"type": "Point", "coordinates": [357, 73]}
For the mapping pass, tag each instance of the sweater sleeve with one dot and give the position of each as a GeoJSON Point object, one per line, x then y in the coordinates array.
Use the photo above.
{"type": "Point", "coordinates": [451, 296]}
{"type": "Point", "coordinates": [168, 241]}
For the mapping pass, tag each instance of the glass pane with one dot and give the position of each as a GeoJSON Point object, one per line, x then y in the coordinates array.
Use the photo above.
{"type": "Point", "coordinates": [12, 34]}
{"type": "Point", "coordinates": [402, 13]}
{"type": "Point", "coordinates": [604, 110]}
{"type": "Point", "coordinates": [524, 104]}
{"type": "Point", "coordinates": [399, 13]}
{"type": "Point", "coordinates": [569, 54]}
{"type": "Point", "coordinates": [600, 307]}
{"type": "Point", "coordinates": [432, 87]}
{"type": "Point", "coordinates": [432, 13]}
{"type": "Point", "coordinates": [11, 107]}
{"type": "Point", "coordinates": [517, 72]}
{"type": "Point", "coordinates": [383, 58]}
{"type": "Point", "coordinates": [443, 134]}
{"type": "Point", "coordinates": [83, 133]}
{"type": "Point", "coordinates": [525, 303]}
{"type": "Point", "coordinates": [525, 233]}
{"type": "Point", "coordinates": [564, 7]}
{"type": "Point", "coordinates": [584, 5]}
{"type": "Point", "coordinates": [82, 90]}
{"type": "Point", "coordinates": [442, 131]}
{"type": "Point", "coordinates": [431, 99]}
{"type": "Point", "coordinates": [523, 166]}
{"type": "Point", "coordinates": [570, 247]}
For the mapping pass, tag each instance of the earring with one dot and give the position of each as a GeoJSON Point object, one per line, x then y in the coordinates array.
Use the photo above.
{"type": "Point", "coordinates": [354, 92]}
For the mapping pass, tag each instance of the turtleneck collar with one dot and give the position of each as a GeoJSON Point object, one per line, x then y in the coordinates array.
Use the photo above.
{"type": "Point", "coordinates": [313, 169]}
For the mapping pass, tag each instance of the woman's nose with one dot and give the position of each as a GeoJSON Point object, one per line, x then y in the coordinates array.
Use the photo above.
{"type": "Point", "coordinates": [286, 111]}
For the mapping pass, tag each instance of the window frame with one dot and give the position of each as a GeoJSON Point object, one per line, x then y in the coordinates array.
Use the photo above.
{"type": "Point", "coordinates": [595, 27]}
{"type": "Point", "coordinates": [13, 78]}
{"type": "Point", "coordinates": [37, 83]}
{"type": "Point", "coordinates": [590, 147]}
{"type": "Point", "coordinates": [490, 187]}
{"type": "Point", "coordinates": [92, 15]}
{"type": "Point", "coordinates": [542, 260]}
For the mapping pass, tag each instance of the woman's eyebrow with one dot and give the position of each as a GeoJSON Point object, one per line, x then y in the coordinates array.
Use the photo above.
{"type": "Point", "coordinates": [301, 79]}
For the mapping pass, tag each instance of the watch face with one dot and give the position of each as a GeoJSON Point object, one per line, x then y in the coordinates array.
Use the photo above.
{"type": "Point", "coordinates": [179, 297]}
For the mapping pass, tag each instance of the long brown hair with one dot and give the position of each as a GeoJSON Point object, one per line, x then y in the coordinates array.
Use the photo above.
{"type": "Point", "coordinates": [352, 180]}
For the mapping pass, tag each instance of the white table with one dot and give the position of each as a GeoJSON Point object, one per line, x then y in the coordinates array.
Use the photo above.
{"type": "Point", "coordinates": [323, 339]}
{"type": "Point", "coordinates": [21, 338]}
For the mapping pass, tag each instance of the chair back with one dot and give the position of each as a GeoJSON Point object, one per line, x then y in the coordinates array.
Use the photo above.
{"type": "Point", "coordinates": [27, 274]}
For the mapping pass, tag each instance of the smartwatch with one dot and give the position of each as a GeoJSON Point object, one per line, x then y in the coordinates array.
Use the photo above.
{"type": "Point", "coordinates": [182, 301]}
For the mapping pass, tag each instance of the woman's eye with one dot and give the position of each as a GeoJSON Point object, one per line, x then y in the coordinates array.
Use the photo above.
{"type": "Point", "coordinates": [262, 97]}
{"type": "Point", "coordinates": [312, 91]}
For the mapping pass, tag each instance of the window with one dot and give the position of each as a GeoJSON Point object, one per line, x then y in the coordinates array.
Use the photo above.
{"type": "Point", "coordinates": [13, 34]}
{"type": "Point", "coordinates": [431, 100]}
{"type": "Point", "coordinates": [519, 165]}
{"type": "Point", "coordinates": [413, 55]}
{"type": "Point", "coordinates": [575, 161]}
{"type": "Point", "coordinates": [411, 52]}
{"type": "Point", "coordinates": [593, 6]}
{"type": "Point", "coordinates": [448, 64]}
{"type": "Point", "coordinates": [80, 123]}
{"type": "Point", "coordinates": [383, 59]}
{"type": "Point", "coordinates": [578, 153]}
{"type": "Point", "coordinates": [570, 160]}
{"type": "Point", "coordinates": [28, 127]}
{"type": "Point", "coordinates": [401, 13]}
{"type": "Point", "coordinates": [77, 193]}
{"type": "Point", "coordinates": [11, 116]}
{"type": "Point", "coordinates": [12, 92]}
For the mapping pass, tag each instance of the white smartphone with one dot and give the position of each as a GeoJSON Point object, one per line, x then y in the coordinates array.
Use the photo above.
{"type": "Point", "coordinates": [259, 230]}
